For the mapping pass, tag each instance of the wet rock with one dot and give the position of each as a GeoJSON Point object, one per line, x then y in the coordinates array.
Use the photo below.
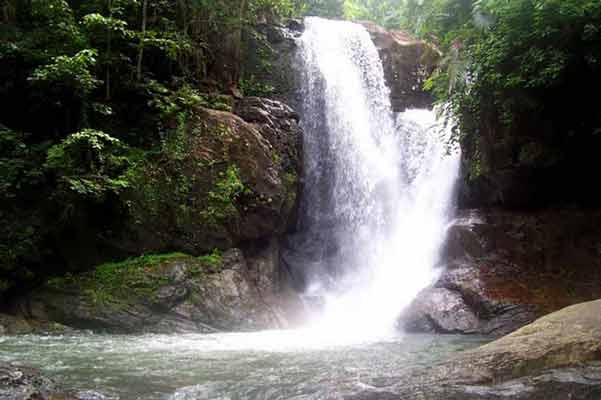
{"type": "Point", "coordinates": [556, 357]}
{"type": "Point", "coordinates": [164, 294]}
{"type": "Point", "coordinates": [89, 395]}
{"type": "Point", "coordinates": [508, 268]}
{"type": "Point", "coordinates": [576, 383]}
{"type": "Point", "coordinates": [16, 325]}
{"type": "Point", "coordinates": [441, 310]}
{"type": "Point", "coordinates": [566, 338]}
{"type": "Point", "coordinates": [22, 383]}
{"type": "Point", "coordinates": [407, 63]}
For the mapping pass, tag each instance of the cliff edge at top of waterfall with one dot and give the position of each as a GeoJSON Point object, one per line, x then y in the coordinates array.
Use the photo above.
{"type": "Point", "coordinates": [407, 63]}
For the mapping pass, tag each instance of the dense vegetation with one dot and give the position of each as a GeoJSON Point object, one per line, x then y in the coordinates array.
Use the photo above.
{"type": "Point", "coordinates": [90, 92]}
{"type": "Point", "coordinates": [517, 78]}
{"type": "Point", "coordinates": [91, 89]}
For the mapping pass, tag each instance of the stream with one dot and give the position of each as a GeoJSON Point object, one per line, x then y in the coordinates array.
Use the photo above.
{"type": "Point", "coordinates": [265, 365]}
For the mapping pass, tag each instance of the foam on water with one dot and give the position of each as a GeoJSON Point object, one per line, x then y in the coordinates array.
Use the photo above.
{"type": "Point", "coordinates": [378, 187]}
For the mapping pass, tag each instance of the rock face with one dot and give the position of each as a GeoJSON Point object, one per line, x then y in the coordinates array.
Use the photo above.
{"type": "Point", "coordinates": [21, 383]}
{"type": "Point", "coordinates": [407, 63]}
{"type": "Point", "coordinates": [569, 337]}
{"type": "Point", "coordinates": [12, 325]}
{"type": "Point", "coordinates": [270, 66]}
{"type": "Point", "coordinates": [164, 294]}
{"type": "Point", "coordinates": [556, 357]}
{"type": "Point", "coordinates": [503, 269]}
{"type": "Point", "coordinates": [24, 383]}
{"type": "Point", "coordinates": [545, 157]}
{"type": "Point", "coordinates": [224, 180]}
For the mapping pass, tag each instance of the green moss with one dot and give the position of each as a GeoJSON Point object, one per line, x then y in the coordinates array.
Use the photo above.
{"type": "Point", "coordinates": [174, 145]}
{"type": "Point", "coordinates": [253, 87]}
{"type": "Point", "coordinates": [277, 158]}
{"type": "Point", "coordinates": [120, 282]}
{"type": "Point", "coordinates": [220, 102]}
{"type": "Point", "coordinates": [135, 280]}
{"type": "Point", "coordinates": [291, 183]}
{"type": "Point", "coordinates": [212, 261]}
{"type": "Point", "coordinates": [221, 199]}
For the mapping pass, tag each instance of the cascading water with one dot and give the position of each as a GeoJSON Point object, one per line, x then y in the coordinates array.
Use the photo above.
{"type": "Point", "coordinates": [377, 187]}
{"type": "Point", "coordinates": [376, 203]}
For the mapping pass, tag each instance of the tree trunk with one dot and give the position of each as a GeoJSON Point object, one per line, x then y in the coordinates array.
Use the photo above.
{"type": "Point", "coordinates": [141, 46]}
{"type": "Point", "coordinates": [109, 35]}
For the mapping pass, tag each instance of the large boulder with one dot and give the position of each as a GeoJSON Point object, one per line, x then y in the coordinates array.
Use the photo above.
{"type": "Point", "coordinates": [441, 310]}
{"type": "Point", "coordinates": [221, 180]}
{"type": "Point", "coordinates": [503, 269]}
{"type": "Point", "coordinates": [566, 338]}
{"type": "Point", "coordinates": [407, 63]}
{"type": "Point", "coordinates": [22, 383]}
{"type": "Point", "coordinates": [165, 294]}
{"type": "Point", "coordinates": [556, 357]}
{"type": "Point", "coordinates": [17, 325]}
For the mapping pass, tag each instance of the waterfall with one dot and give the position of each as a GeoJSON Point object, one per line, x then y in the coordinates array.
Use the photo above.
{"type": "Point", "coordinates": [377, 187]}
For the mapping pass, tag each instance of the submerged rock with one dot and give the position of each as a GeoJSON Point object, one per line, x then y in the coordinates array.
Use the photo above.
{"type": "Point", "coordinates": [22, 383]}
{"type": "Point", "coordinates": [556, 357]}
{"type": "Point", "coordinates": [160, 294]}
{"type": "Point", "coordinates": [508, 268]}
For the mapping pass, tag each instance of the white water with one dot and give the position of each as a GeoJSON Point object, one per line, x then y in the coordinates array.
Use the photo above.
{"type": "Point", "coordinates": [375, 209]}
{"type": "Point", "coordinates": [233, 366]}
{"type": "Point", "coordinates": [378, 188]}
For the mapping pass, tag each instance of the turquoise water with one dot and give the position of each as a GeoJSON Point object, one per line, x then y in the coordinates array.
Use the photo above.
{"type": "Point", "coordinates": [233, 366]}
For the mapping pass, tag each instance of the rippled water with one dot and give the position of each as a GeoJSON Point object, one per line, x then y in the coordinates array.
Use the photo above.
{"type": "Point", "coordinates": [233, 366]}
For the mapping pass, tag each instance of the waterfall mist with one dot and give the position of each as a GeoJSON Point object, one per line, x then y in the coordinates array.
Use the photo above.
{"type": "Point", "coordinates": [377, 188]}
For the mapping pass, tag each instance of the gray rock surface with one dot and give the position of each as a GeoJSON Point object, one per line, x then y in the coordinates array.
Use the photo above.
{"type": "Point", "coordinates": [507, 268]}
{"type": "Point", "coordinates": [15, 325]}
{"type": "Point", "coordinates": [556, 357]}
{"type": "Point", "coordinates": [22, 383]}
{"type": "Point", "coordinates": [177, 294]}
{"type": "Point", "coordinates": [407, 63]}
{"type": "Point", "coordinates": [233, 180]}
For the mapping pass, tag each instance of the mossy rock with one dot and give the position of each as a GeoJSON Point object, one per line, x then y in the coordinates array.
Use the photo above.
{"type": "Point", "coordinates": [134, 280]}
{"type": "Point", "coordinates": [156, 293]}
{"type": "Point", "coordinates": [17, 325]}
{"type": "Point", "coordinates": [218, 181]}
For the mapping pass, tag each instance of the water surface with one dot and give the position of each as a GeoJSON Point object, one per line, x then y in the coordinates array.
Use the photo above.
{"type": "Point", "coordinates": [234, 366]}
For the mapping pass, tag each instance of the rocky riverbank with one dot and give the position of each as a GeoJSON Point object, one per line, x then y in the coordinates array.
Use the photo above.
{"type": "Point", "coordinates": [555, 357]}
{"type": "Point", "coordinates": [173, 293]}
{"type": "Point", "coordinates": [502, 269]}
{"type": "Point", "coordinates": [222, 193]}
